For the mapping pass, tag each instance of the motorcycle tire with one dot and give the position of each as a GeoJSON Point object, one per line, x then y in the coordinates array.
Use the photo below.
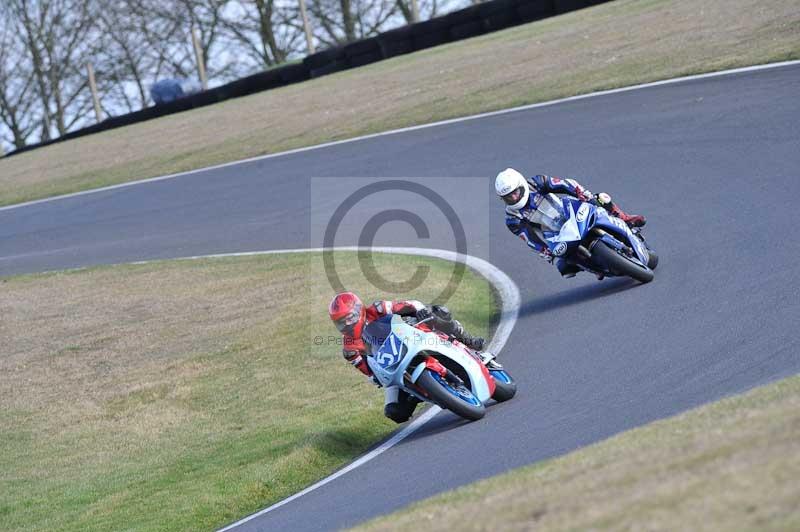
{"type": "Point", "coordinates": [449, 400]}
{"type": "Point", "coordinates": [652, 259]}
{"type": "Point", "coordinates": [503, 390]}
{"type": "Point", "coordinates": [617, 263]}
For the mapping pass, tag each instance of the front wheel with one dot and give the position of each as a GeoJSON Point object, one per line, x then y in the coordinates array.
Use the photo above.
{"type": "Point", "coordinates": [456, 398]}
{"type": "Point", "coordinates": [617, 263]}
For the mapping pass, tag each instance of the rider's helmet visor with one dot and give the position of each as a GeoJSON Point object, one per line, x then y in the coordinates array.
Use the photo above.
{"type": "Point", "coordinates": [513, 197]}
{"type": "Point", "coordinates": [346, 323]}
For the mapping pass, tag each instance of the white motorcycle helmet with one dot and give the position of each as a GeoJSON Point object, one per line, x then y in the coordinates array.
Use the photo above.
{"type": "Point", "coordinates": [512, 187]}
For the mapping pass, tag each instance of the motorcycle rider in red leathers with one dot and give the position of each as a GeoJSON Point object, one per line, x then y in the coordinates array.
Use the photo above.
{"type": "Point", "coordinates": [350, 316]}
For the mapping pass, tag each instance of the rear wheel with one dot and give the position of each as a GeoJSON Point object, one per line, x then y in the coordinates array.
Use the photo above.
{"type": "Point", "coordinates": [456, 398]}
{"type": "Point", "coordinates": [619, 264]}
{"type": "Point", "coordinates": [652, 259]}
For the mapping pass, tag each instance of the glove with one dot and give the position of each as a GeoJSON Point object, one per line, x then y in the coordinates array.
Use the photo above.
{"type": "Point", "coordinates": [546, 255]}
{"type": "Point", "coordinates": [603, 200]}
{"type": "Point", "coordinates": [424, 313]}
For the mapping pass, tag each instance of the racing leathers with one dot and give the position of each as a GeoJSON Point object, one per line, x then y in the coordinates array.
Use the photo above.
{"type": "Point", "coordinates": [398, 405]}
{"type": "Point", "coordinates": [520, 221]}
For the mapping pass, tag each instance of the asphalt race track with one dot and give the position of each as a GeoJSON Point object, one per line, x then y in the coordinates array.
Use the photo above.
{"type": "Point", "coordinates": [713, 163]}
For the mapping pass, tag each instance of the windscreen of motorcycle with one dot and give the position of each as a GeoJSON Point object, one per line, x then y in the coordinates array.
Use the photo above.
{"type": "Point", "coordinates": [376, 332]}
{"type": "Point", "coordinates": [548, 214]}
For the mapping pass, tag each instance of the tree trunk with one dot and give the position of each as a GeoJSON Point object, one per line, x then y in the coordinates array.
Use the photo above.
{"type": "Point", "coordinates": [405, 9]}
{"type": "Point", "coordinates": [267, 32]}
{"type": "Point", "coordinates": [348, 22]}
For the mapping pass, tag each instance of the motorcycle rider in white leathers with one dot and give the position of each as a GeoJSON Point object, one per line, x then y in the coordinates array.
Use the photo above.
{"type": "Point", "coordinates": [522, 196]}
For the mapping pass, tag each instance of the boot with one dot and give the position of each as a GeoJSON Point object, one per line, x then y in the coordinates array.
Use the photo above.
{"type": "Point", "coordinates": [633, 220]}
{"type": "Point", "coordinates": [488, 359]}
{"type": "Point", "coordinates": [566, 269]}
{"type": "Point", "coordinates": [399, 412]}
{"type": "Point", "coordinates": [399, 406]}
{"type": "Point", "coordinates": [473, 342]}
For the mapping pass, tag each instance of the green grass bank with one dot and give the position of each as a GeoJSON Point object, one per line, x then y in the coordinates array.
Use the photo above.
{"type": "Point", "coordinates": [190, 395]}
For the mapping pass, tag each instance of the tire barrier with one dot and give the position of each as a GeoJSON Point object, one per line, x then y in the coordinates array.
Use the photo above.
{"type": "Point", "coordinates": [462, 24]}
{"type": "Point", "coordinates": [465, 23]}
{"type": "Point", "coordinates": [498, 15]}
{"type": "Point", "coordinates": [530, 11]}
{"type": "Point", "coordinates": [396, 42]}
{"type": "Point", "coordinates": [363, 52]}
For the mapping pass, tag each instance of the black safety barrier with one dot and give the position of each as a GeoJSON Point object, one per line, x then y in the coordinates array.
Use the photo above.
{"type": "Point", "coordinates": [465, 23]}
{"type": "Point", "coordinates": [396, 42]}
{"type": "Point", "coordinates": [565, 6]}
{"type": "Point", "coordinates": [497, 15]}
{"type": "Point", "coordinates": [363, 52]}
{"type": "Point", "coordinates": [462, 24]}
{"type": "Point", "coordinates": [530, 11]}
{"type": "Point", "coordinates": [430, 33]}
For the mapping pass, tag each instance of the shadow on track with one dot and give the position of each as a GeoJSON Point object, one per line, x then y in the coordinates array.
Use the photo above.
{"type": "Point", "coordinates": [341, 443]}
{"type": "Point", "coordinates": [447, 421]}
{"type": "Point", "coordinates": [573, 296]}
{"type": "Point", "coordinates": [443, 422]}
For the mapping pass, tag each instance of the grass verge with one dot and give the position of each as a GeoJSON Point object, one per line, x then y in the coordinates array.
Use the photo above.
{"type": "Point", "coordinates": [611, 45]}
{"type": "Point", "coordinates": [188, 396]}
{"type": "Point", "coordinates": [729, 465]}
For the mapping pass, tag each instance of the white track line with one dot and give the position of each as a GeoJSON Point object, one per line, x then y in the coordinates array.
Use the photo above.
{"type": "Point", "coordinates": [507, 291]}
{"type": "Point", "coordinates": [415, 128]}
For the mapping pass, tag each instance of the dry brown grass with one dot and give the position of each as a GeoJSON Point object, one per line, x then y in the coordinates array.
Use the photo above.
{"type": "Point", "coordinates": [615, 44]}
{"type": "Point", "coordinates": [731, 465]}
{"type": "Point", "coordinates": [75, 341]}
{"type": "Point", "coordinates": [181, 395]}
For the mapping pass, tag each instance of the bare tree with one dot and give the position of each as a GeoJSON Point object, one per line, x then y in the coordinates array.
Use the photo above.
{"type": "Point", "coordinates": [147, 40]}
{"type": "Point", "coordinates": [268, 31]}
{"type": "Point", "coordinates": [58, 36]}
{"type": "Point", "coordinates": [340, 21]}
{"type": "Point", "coordinates": [348, 20]}
{"type": "Point", "coordinates": [176, 18]}
{"type": "Point", "coordinates": [429, 8]}
{"type": "Point", "coordinates": [125, 62]}
{"type": "Point", "coordinates": [17, 98]}
{"type": "Point", "coordinates": [45, 45]}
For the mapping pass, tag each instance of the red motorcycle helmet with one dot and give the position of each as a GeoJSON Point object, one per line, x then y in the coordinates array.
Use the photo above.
{"type": "Point", "coordinates": [348, 314]}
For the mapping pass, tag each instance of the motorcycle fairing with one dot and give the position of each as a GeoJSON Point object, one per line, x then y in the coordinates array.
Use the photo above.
{"type": "Point", "coordinates": [617, 226]}
{"type": "Point", "coordinates": [390, 331]}
{"type": "Point", "coordinates": [580, 218]}
{"type": "Point", "coordinates": [577, 223]}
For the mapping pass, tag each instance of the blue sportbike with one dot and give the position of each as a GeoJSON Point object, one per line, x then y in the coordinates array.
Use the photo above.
{"type": "Point", "coordinates": [587, 236]}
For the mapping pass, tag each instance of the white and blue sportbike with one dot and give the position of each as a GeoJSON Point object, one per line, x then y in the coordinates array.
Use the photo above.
{"type": "Point", "coordinates": [434, 368]}
{"type": "Point", "coordinates": [587, 236]}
